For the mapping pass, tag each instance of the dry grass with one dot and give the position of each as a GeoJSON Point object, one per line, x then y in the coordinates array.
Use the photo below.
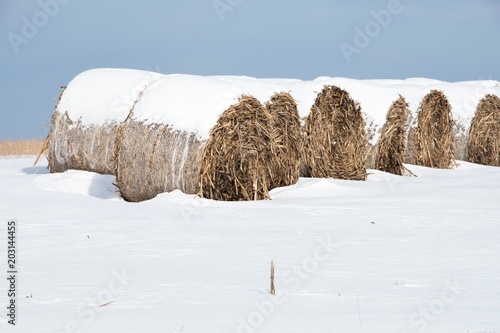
{"type": "Point", "coordinates": [78, 147]}
{"type": "Point", "coordinates": [21, 147]}
{"type": "Point", "coordinates": [484, 135]}
{"type": "Point", "coordinates": [392, 143]}
{"type": "Point", "coordinates": [336, 143]}
{"type": "Point", "coordinates": [240, 156]}
{"type": "Point", "coordinates": [431, 143]}
{"type": "Point", "coordinates": [288, 137]}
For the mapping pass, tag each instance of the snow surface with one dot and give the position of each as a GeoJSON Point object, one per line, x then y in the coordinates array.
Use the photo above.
{"type": "Point", "coordinates": [392, 254]}
{"type": "Point", "coordinates": [194, 103]}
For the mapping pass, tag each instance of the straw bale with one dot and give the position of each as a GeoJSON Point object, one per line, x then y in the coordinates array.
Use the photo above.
{"type": "Point", "coordinates": [484, 136]}
{"type": "Point", "coordinates": [153, 159]}
{"type": "Point", "coordinates": [288, 137]}
{"type": "Point", "coordinates": [392, 143]}
{"type": "Point", "coordinates": [74, 146]}
{"type": "Point", "coordinates": [431, 142]}
{"type": "Point", "coordinates": [336, 143]}
{"type": "Point", "coordinates": [240, 157]}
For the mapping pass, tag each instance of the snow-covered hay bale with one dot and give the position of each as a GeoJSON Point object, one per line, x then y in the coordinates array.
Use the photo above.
{"type": "Point", "coordinates": [431, 143]}
{"type": "Point", "coordinates": [153, 159]}
{"type": "Point", "coordinates": [392, 144]}
{"type": "Point", "coordinates": [335, 144]}
{"type": "Point", "coordinates": [85, 120]}
{"type": "Point", "coordinates": [73, 145]}
{"type": "Point", "coordinates": [240, 155]}
{"type": "Point", "coordinates": [484, 136]}
{"type": "Point", "coordinates": [288, 138]}
{"type": "Point", "coordinates": [156, 126]}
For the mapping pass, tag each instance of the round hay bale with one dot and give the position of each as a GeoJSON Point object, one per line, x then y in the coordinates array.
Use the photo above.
{"type": "Point", "coordinates": [431, 143]}
{"type": "Point", "coordinates": [484, 135]}
{"type": "Point", "coordinates": [335, 144]}
{"type": "Point", "coordinates": [153, 159]}
{"type": "Point", "coordinates": [392, 143]}
{"type": "Point", "coordinates": [83, 133]}
{"type": "Point", "coordinates": [74, 146]}
{"type": "Point", "coordinates": [288, 138]}
{"type": "Point", "coordinates": [240, 157]}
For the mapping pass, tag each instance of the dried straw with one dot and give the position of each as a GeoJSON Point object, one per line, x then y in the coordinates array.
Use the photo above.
{"type": "Point", "coordinates": [153, 159]}
{"type": "Point", "coordinates": [71, 145]}
{"type": "Point", "coordinates": [75, 146]}
{"type": "Point", "coordinates": [484, 136]}
{"type": "Point", "coordinates": [431, 143]}
{"type": "Point", "coordinates": [335, 144]}
{"type": "Point", "coordinates": [392, 143]}
{"type": "Point", "coordinates": [288, 138]}
{"type": "Point", "coordinates": [240, 157]}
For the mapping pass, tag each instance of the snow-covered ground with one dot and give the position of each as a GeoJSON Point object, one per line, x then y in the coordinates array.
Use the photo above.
{"type": "Point", "coordinates": [392, 254]}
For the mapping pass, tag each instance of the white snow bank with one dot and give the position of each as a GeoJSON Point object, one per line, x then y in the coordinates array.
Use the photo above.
{"type": "Point", "coordinates": [194, 103]}
{"type": "Point", "coordinates": [81, 183]}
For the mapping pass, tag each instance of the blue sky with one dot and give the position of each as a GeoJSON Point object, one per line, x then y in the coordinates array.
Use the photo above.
{"type": "Point", "coordinates": [45, 43]}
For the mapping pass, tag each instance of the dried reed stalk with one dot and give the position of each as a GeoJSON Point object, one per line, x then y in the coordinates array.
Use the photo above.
{"type": "Point", "coordinates": [272, 290]}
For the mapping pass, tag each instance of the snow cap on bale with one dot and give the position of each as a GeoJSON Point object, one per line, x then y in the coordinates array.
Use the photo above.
{"type": "Point", "coordinates": [288, 137]}
{"type": "Point", "coordinates": [392, 143]}
{"type": "Point", "coordinates": [431, 143]}
{"type": "Point", "coordinates": [335, 143]}
{"type": "Point", "coordinates": [240, 155]}
{"type": "Point", "coordinates": [484, 136]}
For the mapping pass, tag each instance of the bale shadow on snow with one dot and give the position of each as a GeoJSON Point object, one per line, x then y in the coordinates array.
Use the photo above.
{"type": "Point", "coordinates": [41, 170]}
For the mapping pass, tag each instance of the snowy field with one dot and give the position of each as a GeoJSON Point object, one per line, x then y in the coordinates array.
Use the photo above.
{"type": "Point", "coordinates": [392, 254]}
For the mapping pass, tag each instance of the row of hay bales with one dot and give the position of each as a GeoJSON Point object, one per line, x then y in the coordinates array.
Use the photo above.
{"type": "Point", "coordinates": [251, 149]}
{"type": "Point", "coordinates": [254, 148]}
